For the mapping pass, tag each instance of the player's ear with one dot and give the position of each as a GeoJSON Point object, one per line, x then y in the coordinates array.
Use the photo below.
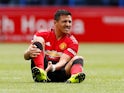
{"type": "Point", "coordinates": [55, 22]}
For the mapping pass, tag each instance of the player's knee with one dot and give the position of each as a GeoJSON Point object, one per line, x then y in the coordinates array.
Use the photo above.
{"type": "Point", "coordinates": [39, 45]}
{"type": "Point", "coordinates": [78, 61]}
{"type": "Point", "coordinates": [39, 39]}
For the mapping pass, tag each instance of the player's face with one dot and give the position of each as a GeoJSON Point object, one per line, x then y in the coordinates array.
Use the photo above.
{"type": "Point", "coordinates": [64, 23]}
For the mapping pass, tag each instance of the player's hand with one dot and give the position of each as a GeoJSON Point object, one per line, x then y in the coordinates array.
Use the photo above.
{"type": "Point", "coordinates": [50, 67]}
{"type": "Point", "coordinates": [33, 51]}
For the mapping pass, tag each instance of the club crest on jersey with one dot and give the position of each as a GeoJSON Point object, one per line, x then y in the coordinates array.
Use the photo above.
{"type": "Point", "coordinates": [63, 46]}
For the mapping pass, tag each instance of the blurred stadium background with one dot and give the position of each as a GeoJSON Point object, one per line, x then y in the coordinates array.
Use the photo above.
{"type": "Point", "coordinates": [93, 20]}
{"type": "Point", "coordinates": [63, 2]}
{"type": "Point", "coordinates": [97, 24]}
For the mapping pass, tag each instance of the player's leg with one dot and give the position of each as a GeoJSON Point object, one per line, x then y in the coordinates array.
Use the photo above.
{"type": "Point", "coordinates": [39, 75]}
{"type": "Point", "coordinates": [75, 68]}
{"type": "Point", "coordinates": [39, 60]}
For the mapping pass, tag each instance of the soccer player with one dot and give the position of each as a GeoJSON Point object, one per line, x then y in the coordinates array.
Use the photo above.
{"type": "Point", "coordinates": [53, 53]}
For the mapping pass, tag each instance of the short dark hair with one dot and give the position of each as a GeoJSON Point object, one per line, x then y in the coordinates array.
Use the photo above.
{"type": "Point", "coordinates": [60, 13]}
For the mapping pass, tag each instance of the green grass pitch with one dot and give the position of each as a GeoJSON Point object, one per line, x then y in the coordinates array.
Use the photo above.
{"type": "Point", "coordinates": [104, 67]}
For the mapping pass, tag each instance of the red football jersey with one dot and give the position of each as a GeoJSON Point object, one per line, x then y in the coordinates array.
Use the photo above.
{"type": "Point", "coordinates": [54, 48]}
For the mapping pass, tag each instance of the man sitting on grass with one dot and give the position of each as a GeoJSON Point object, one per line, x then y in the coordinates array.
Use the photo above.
{"type": "Point", "coordinates": [53, 53]}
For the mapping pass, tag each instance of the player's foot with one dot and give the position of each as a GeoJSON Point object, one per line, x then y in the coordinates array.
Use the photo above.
{"type": "Point", "coordinates": [39, 75]}
{"type": "Point", "coordinates": [76, 78]}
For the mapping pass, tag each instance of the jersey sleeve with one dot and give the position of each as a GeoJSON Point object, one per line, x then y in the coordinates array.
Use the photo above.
{"type": "Point", "coordinates": [44, 34]}
{"type": "Point", "coordinates": [72, 47]}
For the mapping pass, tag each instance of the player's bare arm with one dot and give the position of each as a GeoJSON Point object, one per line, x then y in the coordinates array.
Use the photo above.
{"type": "Point", "coordinates": [63, 60]}
{"type": "Point", "coordinates": [31, 52]}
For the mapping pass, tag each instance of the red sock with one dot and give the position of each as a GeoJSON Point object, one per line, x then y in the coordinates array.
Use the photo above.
{"type": "Point", "coordinates": [76, 68]}
{"type": "Point", "coordinates": [39, 60]}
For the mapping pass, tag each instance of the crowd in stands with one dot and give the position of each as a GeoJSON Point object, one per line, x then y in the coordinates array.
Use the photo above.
{"type": "Point", "coordinates": [63, 2]}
